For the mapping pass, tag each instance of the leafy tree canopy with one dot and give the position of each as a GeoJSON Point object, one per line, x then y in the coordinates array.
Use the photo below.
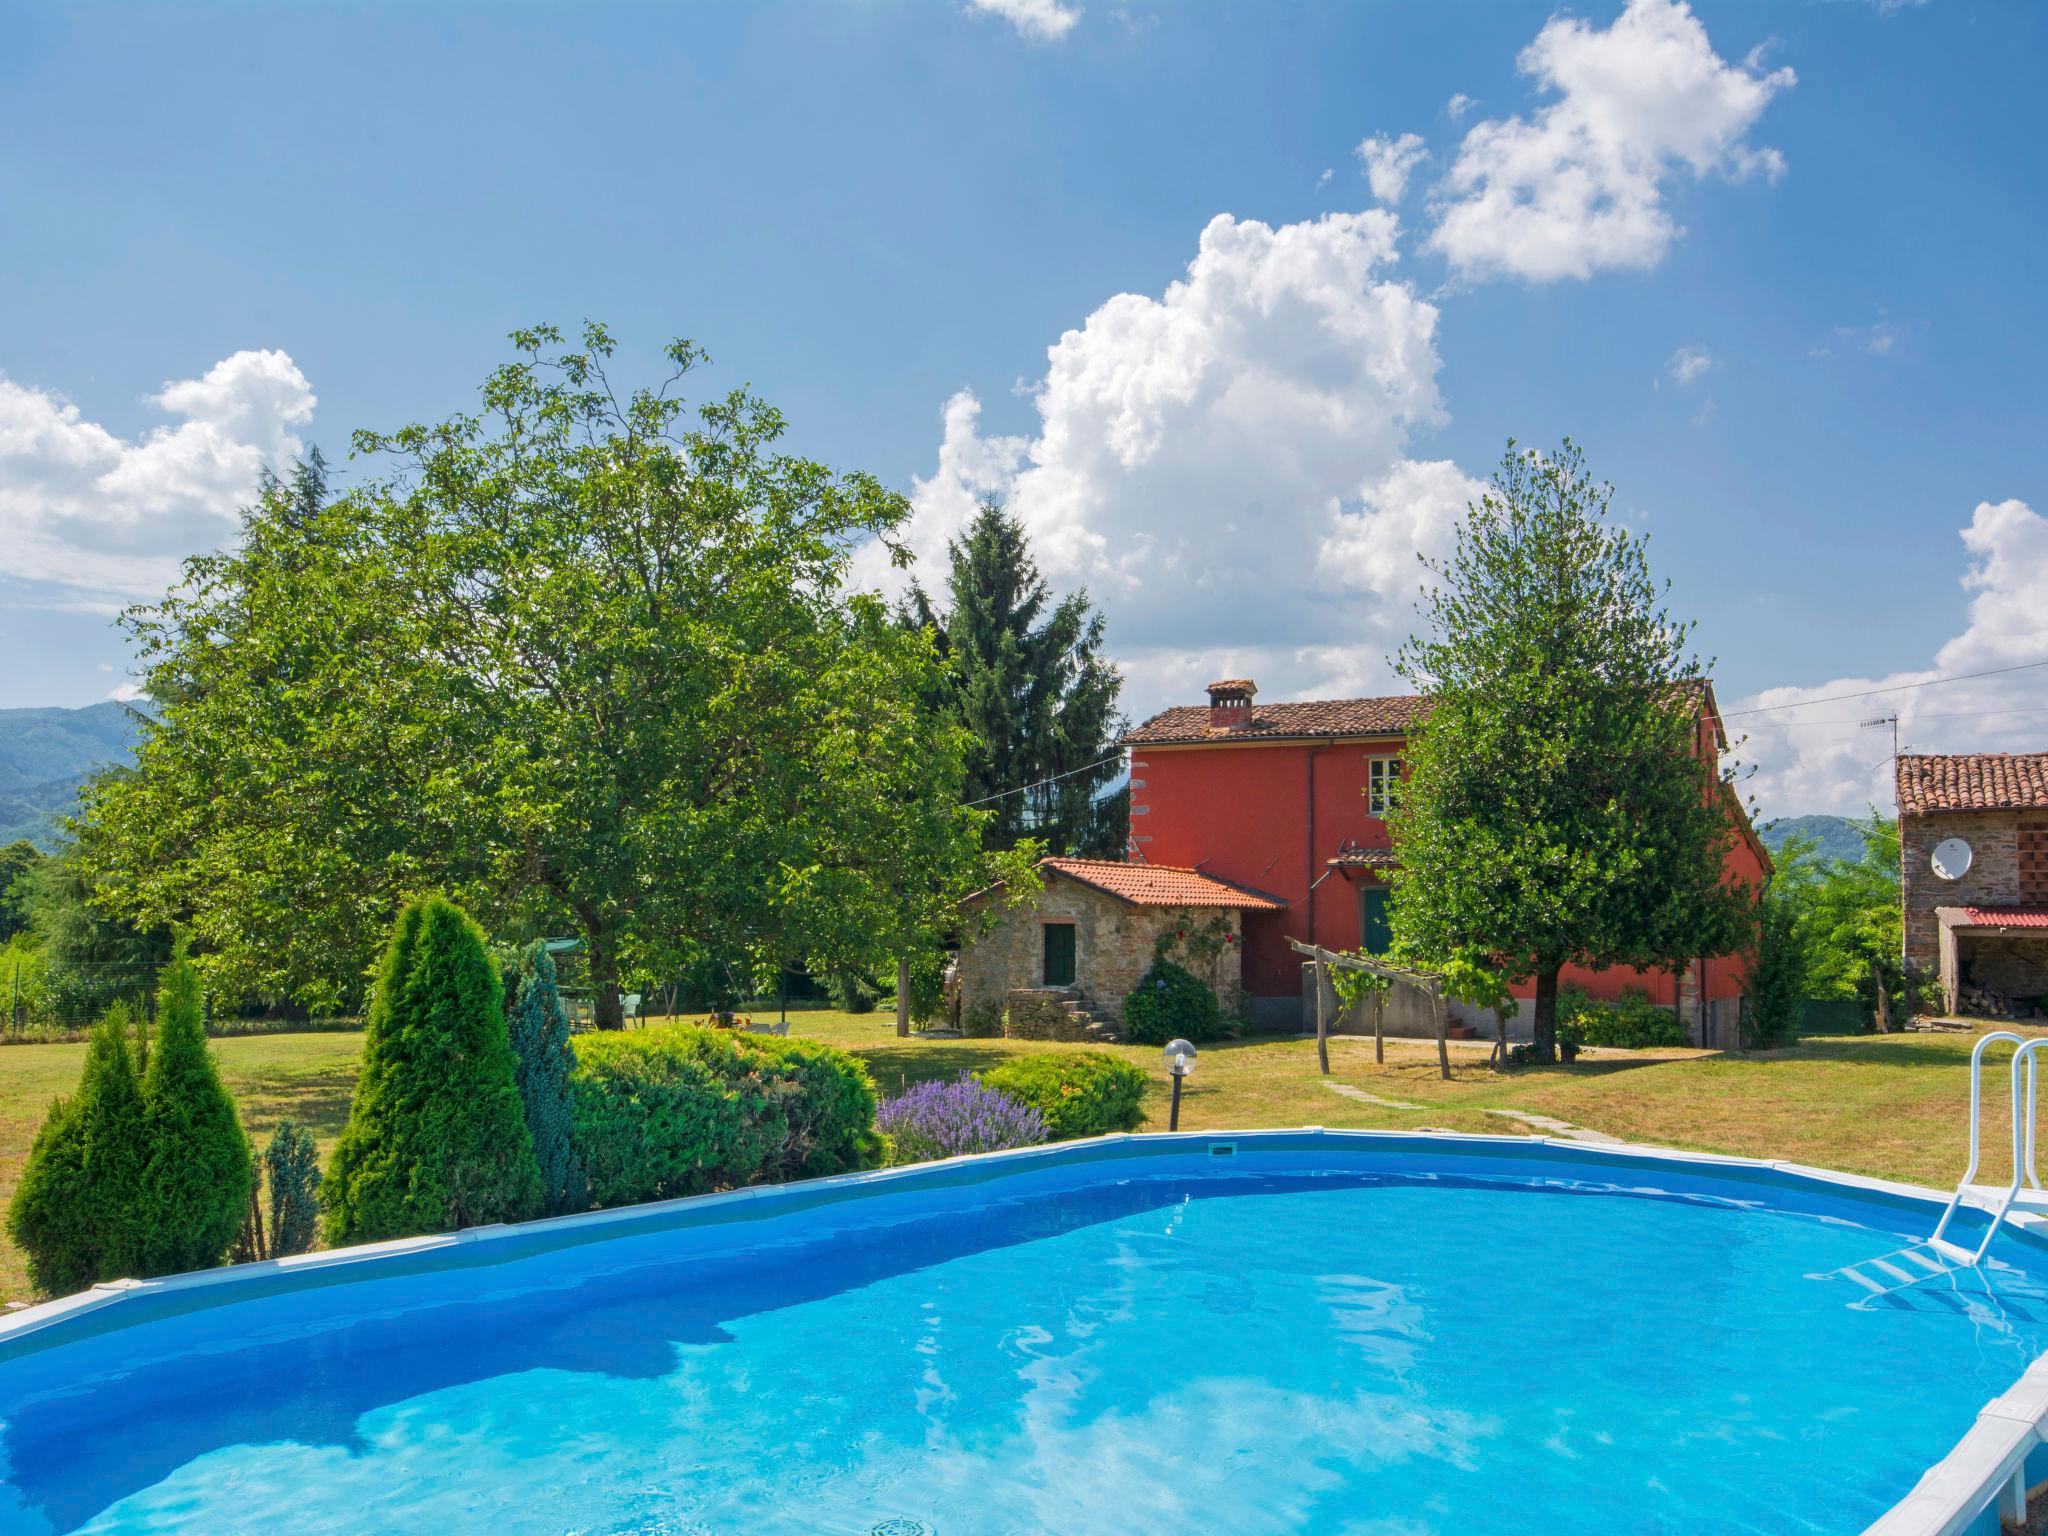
{"type": "Point", "coordinates": [16, 860]}
{"type": "Point", "coordinates": [1026, 675]}
{"type": "Point", "coordinates": [1564, 802]}
{"type": "Point", "coordinates": [575, 654]}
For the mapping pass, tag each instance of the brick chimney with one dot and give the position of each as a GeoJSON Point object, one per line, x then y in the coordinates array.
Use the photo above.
{"type": "Point", "coordinates": [1230, 703]}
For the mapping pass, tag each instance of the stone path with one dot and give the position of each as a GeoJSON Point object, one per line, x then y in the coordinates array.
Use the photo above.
{"type": "Point", "coordinates": [1554, 1127]}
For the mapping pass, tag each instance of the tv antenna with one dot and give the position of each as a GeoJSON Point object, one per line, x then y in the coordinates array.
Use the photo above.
{"type": "Point", "coordinates": [1891, 720]}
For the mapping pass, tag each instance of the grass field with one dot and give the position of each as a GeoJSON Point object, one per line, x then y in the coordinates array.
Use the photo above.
{"type": "Point", "coordinates": [1889, 1105]}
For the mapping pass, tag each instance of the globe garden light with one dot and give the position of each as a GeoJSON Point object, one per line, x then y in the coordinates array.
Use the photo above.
{"type": "Point", "coordinates": [1180, 1061]}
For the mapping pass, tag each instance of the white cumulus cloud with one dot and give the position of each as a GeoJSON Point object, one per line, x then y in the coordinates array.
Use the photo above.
{"type": "Point", "coordinates": [1043, 21]}
{"type": "Point", "coordinates": [1815, 756]}
{"type": "Point", "coordinates": [1389, 163]}
{"type": "Point", "coordinates": [1579, 186]}
{"type": "Point", "coordinates": [104, 519]}
{"type": "Point", "coordinates": [1225, 465]}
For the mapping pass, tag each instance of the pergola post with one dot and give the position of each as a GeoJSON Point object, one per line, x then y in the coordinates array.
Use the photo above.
{"type": "Point", "coordinates": [1322, 1018]}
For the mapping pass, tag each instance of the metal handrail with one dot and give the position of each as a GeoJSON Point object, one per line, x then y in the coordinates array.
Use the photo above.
{"type": "Point", "coordinates": [2023, 1163]}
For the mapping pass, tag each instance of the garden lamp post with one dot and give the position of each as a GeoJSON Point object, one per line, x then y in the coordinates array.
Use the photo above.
{"type": "Point", "coordinates": [1180, 1061]}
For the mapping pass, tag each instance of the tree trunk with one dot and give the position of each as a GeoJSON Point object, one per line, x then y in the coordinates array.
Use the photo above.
{"type": "Point", "coordinates": [1442, 1011]}
{"type": "Point", "coordinates": [1880, 1003]}
{"type": "Point", "coordinates": [1379, 1027]}
{"type": "Point", "coordinates": [606, 1006]}
{"type": "Point", "coordinates": [1322, 1020]}
{"type": "Point", "coordinates": [902, 998]}
{"type": "Point", "coordinates": [1543, 1020]}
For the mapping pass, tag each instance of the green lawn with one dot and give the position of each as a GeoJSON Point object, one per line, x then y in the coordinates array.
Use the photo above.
{"type": "Point", "coordinates": [1891, 1105]}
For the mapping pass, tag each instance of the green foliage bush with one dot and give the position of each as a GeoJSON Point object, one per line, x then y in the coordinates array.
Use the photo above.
{"type": "Point", "coordinates": [73, 1213]}
{"type": "Point", "coordinates": [195, 1188]}
{"type": "Point", "coordinates": [539, 1030]}
{"type": "Point", "coordinates": [853, 993]}
{"type": "Point", "coordinates": [1633, 1024]}
{"type": "Point", "coordinates": [292, 1168]}
{"type": "Point", "coordinates": [1085, 1093]}
{"type": "Point", "coordinates": [1171, 1001]}
{"type": "Point", "coordinates": [436, 1135]}
{"type": "Point", "coordinates": [681, 1109]}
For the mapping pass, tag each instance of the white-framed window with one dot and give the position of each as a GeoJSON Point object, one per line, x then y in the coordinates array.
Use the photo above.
{"type": "Point", "coordinates": [1382, 784]}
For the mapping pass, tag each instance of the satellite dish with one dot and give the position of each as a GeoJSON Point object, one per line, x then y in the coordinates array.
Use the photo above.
{"type": "Point", "coordinates": [1951, 860]}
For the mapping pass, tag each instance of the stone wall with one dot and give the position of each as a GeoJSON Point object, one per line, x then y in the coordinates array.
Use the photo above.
{"type": "Point", "coordinates": [1114, 945]}
{"type": "Point", "coordinates": [1037, 1013]}
{"type": "Point", "coordinates": [1993, 880]}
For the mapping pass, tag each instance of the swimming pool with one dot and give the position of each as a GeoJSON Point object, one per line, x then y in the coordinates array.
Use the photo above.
{"type": "Point", "coordinates": [1302, 1332]}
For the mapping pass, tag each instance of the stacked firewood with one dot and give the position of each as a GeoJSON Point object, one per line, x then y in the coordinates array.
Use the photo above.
{"type": "Point", "coordinates": [1984, 1003]}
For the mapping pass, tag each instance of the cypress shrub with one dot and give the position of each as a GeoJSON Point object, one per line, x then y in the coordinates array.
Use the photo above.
{"type": "Point", "coordinates": [540, 1051]}
{"type": "Point", "coordinates": [293, 1170]}
{"type": "Point", "coordinates": [681, 1110]}
{"type": "Point", "coordinates": [196, 1186]}
{"type": "Point", "coordinates": [1082, 1093]}
{"type": "Point", "coordinates": [74, 1212]}
{"type": "Point", "coordinates": [436, 1136]}
{"type": "Point", "coordinates": [1171, 1002]}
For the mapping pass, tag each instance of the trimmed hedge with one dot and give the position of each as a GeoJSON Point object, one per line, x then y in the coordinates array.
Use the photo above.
{"type": "Point", "coordinates": [1171, 1002]}
{"type": "Point", "coordinates": [1633, 1024]}
{"type": "Point", "coordinates": [1084, 1093]}
{"type": "Point", "coordinates": [436, 1135]}
{"type": "Point", "coordinates": [680, 1110]}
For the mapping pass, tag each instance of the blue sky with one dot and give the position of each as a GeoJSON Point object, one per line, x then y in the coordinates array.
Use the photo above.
{"type": "Point", "coordinates": [1797, 324]}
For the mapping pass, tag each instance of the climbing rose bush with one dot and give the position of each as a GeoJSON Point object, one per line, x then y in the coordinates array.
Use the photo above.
{"type": "Point", "coordinates": [940, 1119]}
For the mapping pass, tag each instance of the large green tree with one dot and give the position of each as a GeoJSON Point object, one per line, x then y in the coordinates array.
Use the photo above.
{"type": "Point", "coordinates": [1026, 675]}
{"type": "Point", "coordinates": [17, 860]}
{"type": "Point", "coordinates": [1564, 802]}
{"type": "Point", "coordinates": [576, 655]}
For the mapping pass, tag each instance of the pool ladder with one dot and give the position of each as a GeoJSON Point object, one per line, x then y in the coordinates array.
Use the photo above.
{"type": "Point", "coordinates": [2001, 1202]}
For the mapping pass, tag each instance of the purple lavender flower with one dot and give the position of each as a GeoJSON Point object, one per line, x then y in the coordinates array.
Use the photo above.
{"type": "Point", "coordinates": [938, 1119]}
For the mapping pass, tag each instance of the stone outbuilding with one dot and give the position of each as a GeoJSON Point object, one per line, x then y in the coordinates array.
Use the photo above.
{"type": "Point", "coordinates": [1048, 967]}
{"type": "Point", "coordinates": [1973, 849]}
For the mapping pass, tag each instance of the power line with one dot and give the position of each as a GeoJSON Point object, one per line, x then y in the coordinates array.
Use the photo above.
{"type": "Point", "coordinates": [1965, 714]}
{"type": "Point", "coordinates": [1005, 794]}
{"type": "Point", "coordinates": [1837, 698]}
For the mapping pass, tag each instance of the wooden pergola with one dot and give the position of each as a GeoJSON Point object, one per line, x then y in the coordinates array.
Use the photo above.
{"type": "Point", "coordinates": [1431, 984]}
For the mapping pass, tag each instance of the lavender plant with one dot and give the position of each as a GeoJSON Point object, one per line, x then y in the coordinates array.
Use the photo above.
{"type": "Point", "coordinates": [941, 1119]}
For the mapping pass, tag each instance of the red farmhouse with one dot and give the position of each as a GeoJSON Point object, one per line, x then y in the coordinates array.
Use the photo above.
{"type": "Point", "coordinates": [1290, 799]}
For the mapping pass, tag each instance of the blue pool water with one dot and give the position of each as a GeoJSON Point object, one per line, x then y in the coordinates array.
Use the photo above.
{"type": "Point", "coordinates": [1394, 1340]}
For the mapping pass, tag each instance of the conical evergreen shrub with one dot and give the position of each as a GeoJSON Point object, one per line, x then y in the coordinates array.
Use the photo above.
{"type": "Point", "coordinates": [540, 1047]}
{"type": "Point", "coordinates": [294, 1175]}
{"type": "Point", "coordinates": [195, 1190]}
{"type": "Point", "coordinates": [74, 1213]}
{"type": "Point", "coordinates": [436, 1135]}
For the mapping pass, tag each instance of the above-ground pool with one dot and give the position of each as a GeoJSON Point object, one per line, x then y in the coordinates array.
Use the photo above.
{"type": "Point", "coordinates": [1335, 1333]}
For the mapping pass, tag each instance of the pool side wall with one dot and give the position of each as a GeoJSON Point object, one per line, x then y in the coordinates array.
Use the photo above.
{"type": "Point", "coordinates": [2002, 1457]}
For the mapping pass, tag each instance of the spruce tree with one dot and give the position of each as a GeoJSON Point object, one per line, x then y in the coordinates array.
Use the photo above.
{"type": "Point", "coordinates": [1027, 677]}
{"type": "Point", "coordinates": [436, 1135]}
{"type": "Point", "coordinates": [75, 1212]}
{"type": "Point", "coordinates": [540, 1048]}
{"type": "Point", "coordinates": [195, 1187]}
{"type": "Point", "coordinates": [294, 1174]}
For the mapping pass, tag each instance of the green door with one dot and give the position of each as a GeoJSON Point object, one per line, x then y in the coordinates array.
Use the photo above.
{"type": "Point", "coordinates": [1059, 954]}
{"type": "Point", "coordinates": [1376, 932]}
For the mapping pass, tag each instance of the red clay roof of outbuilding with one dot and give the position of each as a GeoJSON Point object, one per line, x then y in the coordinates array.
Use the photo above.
{"type": "Point", "coordinates": [1161, 885]}
{"type": "Point", "coordinates": [1975, 781]}
{"type": "Point", "coordinates": [2005, 917]}
{"type": "Point", "coordinates": [1279, 722]}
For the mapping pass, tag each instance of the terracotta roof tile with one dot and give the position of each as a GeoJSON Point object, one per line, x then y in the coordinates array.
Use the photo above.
{"type": "Point", "coordinates": [1364, 858]}
{"type": "Point", "coordinates": [1162, 885]}
{"type": "Point", "coordinates": [1976, 781]}
{"type": "Point", "coordinates": [1279, 722]}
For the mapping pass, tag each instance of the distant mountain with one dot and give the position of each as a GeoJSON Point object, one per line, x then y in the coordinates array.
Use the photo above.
{"type": "Point", "coordinates": [1835, 837]}
{"type": "Point", "coordinates": [45, 754]}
